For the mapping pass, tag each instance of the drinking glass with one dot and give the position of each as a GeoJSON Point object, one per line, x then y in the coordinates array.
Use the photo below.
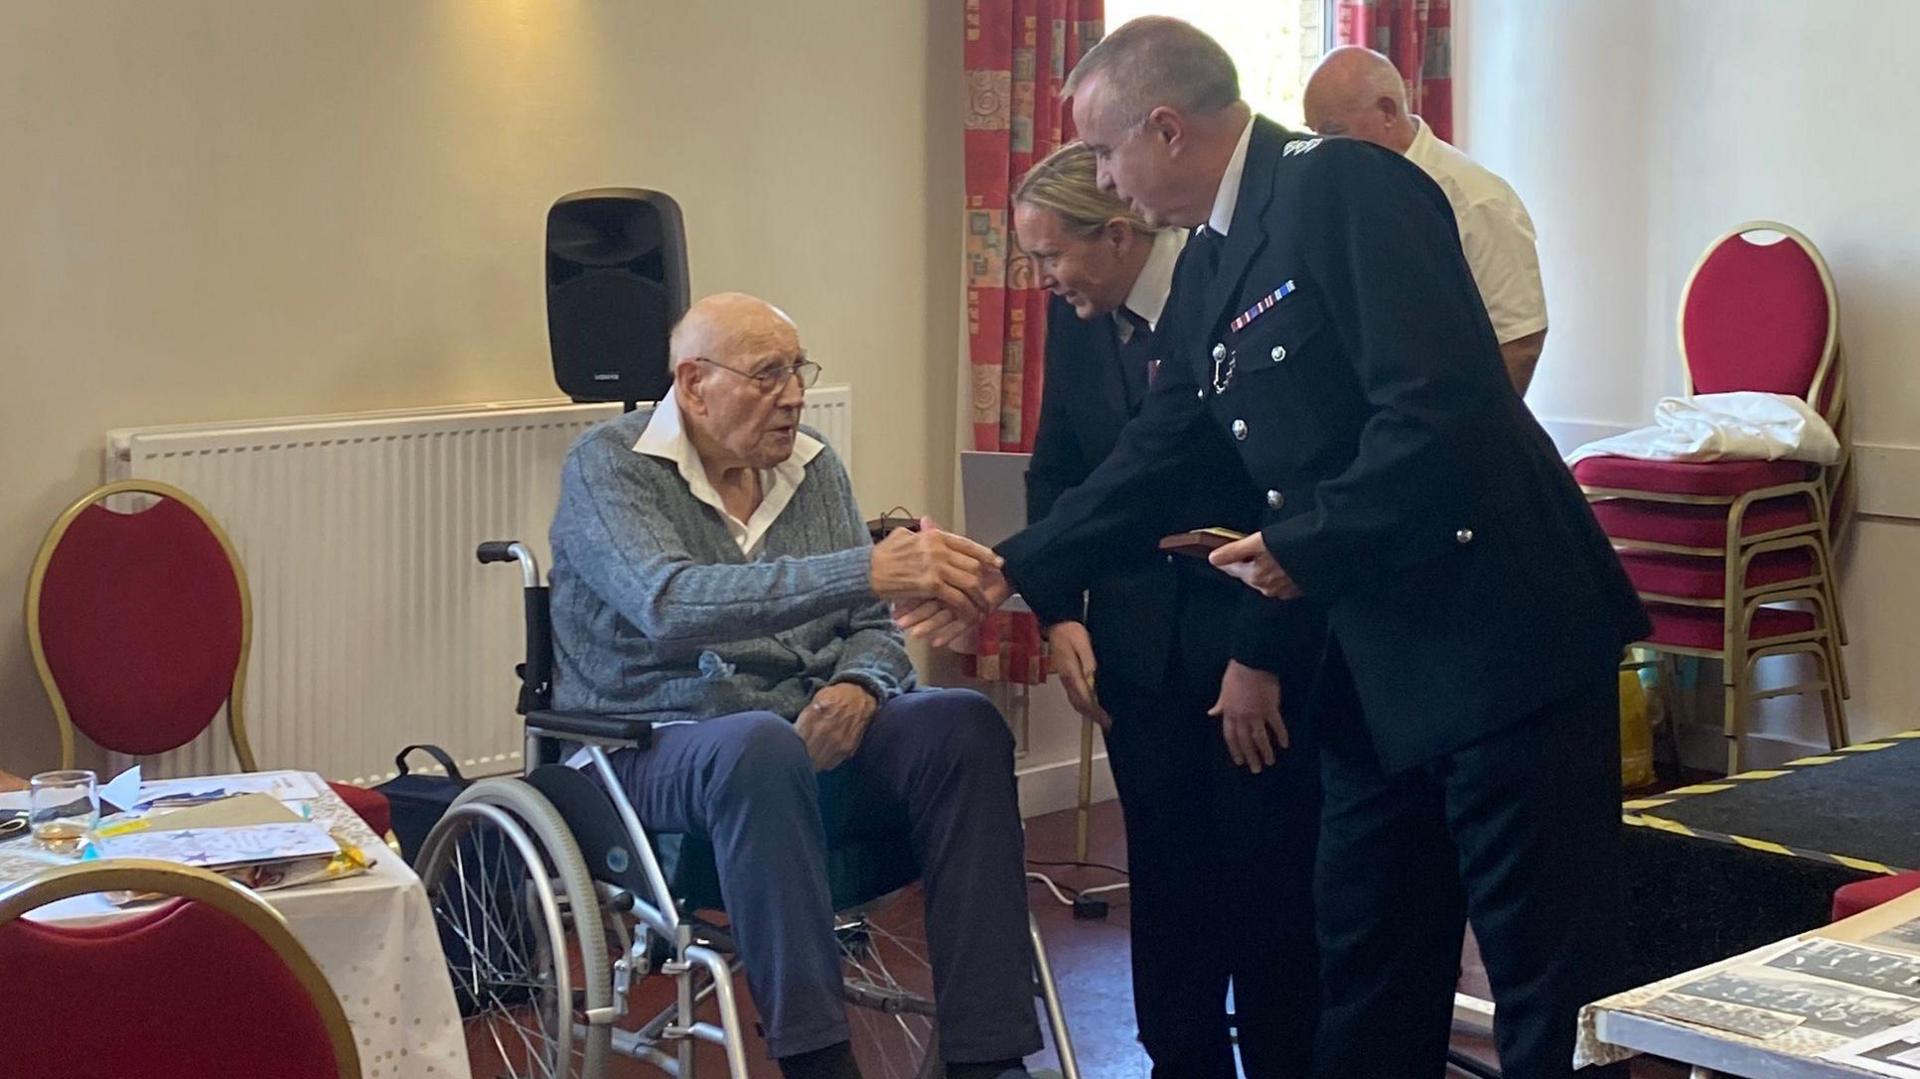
{"type": "Point", "coordinates": [63, 807]}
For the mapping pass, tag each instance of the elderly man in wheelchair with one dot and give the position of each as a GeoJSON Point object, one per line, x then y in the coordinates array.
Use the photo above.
{"type": "Point", "coordinates": [714, 590]}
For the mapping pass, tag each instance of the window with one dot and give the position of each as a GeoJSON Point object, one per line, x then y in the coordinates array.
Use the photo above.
{"type": "Point", "coordinates": [1274, 44]}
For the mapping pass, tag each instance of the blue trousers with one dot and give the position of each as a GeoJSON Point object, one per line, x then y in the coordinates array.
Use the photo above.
{"type": "Point", "coordinates": [942, 759]}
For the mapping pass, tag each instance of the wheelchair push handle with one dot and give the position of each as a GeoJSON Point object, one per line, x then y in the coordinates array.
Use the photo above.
{"type": "Point", "coordinates": [496, 551]}
{"type": "Point", "coordinates": [511, 551]}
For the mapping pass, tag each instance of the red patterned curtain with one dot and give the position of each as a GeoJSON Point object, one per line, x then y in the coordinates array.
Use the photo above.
{"type": "Point", "coordinates": [1018, 52]}
{"type": "Point", "coordinates": [1418, 36]}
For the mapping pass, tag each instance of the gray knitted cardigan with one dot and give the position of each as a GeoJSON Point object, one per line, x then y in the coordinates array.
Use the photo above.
{"type": "Point", "coordinates": [657, 613]}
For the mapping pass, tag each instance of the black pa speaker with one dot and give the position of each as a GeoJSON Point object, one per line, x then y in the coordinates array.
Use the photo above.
{"type": "Point", "coordinates": [616, 283]}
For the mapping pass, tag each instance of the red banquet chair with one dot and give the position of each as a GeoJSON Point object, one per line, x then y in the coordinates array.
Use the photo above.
{"type": "Point", "coordinates": [140, 624]}
{"type": "Point", "coordinates": [140, 997]}
{"type": "Point", "coordinates": [1735, 558]}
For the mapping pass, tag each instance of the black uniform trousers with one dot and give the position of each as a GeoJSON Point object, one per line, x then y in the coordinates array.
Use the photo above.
{"type": "Point", "coordinates": [1222, 860]}
{"type": "Point", "coordinates": [1529, 819]}
{"type": "Point", "coordinates": [1222, 864]}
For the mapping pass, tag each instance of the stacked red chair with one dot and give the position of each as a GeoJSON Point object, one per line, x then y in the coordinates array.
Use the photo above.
{"type": "Point", "coordinates": [1735, 558]}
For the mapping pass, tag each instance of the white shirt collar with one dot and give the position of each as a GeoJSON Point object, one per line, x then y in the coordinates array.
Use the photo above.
{"type": "Point", "coordinates": [1148, 298]}
{"type": "Point", "coordinates": [1225, 199]}
{"type": "Point", "coordinates": [1424, 141]}
{"type": "Point", "coordinates": [665, 437]}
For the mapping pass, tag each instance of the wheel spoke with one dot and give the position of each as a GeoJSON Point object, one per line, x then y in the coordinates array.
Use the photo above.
{"type": "Point", "coordinates": [887, 978]}
{"type": "Point", "coordinates": [487, 902]}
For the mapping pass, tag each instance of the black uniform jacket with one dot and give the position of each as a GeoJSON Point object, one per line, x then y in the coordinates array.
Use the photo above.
{"type": "Point", "coordinates": [1140, 604]}
{"type": "Point", "coordinates": [1342, 350]}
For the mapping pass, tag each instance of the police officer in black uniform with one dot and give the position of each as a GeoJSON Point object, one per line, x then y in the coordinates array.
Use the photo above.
{"type": "Point", "coordinates": [1220, 834]}
{"type": "Point", "coordinates": [1327, 326]}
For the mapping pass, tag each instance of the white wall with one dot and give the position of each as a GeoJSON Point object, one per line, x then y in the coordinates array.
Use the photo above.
{"type": "Point", "coordinates": [1638, 130]}
{"type": "Point", "coordinates": [219, 211]}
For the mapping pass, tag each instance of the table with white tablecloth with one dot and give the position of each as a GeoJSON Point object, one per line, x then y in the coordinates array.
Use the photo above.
{"type": "Point", "coordinates": [373, 936]}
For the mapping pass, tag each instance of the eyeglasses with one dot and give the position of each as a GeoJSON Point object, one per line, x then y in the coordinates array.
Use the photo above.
{"type": "Point", "coordinates": [774, 379]}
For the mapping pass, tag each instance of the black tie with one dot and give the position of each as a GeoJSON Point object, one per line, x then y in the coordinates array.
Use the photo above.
{"type": "Point", "coordinates": [1136, 353]}
{"type": "Point", "coordinates": [1208, 244]}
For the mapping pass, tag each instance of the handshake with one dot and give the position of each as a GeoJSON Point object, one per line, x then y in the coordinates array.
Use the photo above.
{"type": "Point", "coordinates": [940, 583]}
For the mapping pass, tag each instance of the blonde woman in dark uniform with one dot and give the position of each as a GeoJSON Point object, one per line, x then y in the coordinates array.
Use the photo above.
{"type": "Point", "coordinates": [1220, 817]}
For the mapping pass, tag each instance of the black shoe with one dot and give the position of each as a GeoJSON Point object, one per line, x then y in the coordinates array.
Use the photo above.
{"type": "Point", "coordinates": [833, 1062]}
{"type": "Point", "coordinates": [999, 1069]}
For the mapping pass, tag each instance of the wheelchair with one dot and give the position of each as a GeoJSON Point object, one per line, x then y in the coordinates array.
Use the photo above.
{"type": "Point", "coordinates": [561, 915]}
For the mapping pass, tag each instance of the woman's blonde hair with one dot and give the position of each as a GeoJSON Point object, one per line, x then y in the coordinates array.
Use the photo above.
{"type": "Point", "coordinates": [1065, 182]}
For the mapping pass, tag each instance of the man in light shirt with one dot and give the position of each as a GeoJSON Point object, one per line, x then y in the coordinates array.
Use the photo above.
{"type": "Point", "coordinates": [1358, 93]}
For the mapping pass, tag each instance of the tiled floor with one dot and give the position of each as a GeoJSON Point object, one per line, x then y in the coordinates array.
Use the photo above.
{"type": "Point", "coordinates": [1090, 965]}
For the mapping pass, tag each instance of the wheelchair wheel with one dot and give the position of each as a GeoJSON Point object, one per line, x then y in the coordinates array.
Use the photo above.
{"type": "Point", "coordinates": [520, 921]}
{"type": "Point", "coordinates": [889, 987]}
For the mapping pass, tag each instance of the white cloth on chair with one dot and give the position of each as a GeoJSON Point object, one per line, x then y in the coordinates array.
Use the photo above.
{"type": "Point", "coordinates": [1743, 426]}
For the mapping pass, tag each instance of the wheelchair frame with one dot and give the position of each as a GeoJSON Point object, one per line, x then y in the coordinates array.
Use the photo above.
{"type": "Point", "coordinates": [696, 955]}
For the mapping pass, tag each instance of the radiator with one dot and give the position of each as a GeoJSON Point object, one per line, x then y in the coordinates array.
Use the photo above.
{"type": "Point", "coordinates": [373, 625]}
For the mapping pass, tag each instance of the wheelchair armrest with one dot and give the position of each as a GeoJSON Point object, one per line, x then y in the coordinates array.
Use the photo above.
{"type": "Point", "coordinates": [593, 725]}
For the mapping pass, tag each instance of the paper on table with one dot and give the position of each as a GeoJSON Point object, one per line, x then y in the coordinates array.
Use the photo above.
{"type": "Point", "coordinates": [234, 812]}
{"type": "Point", "coordinates": [1904, 937]}
{"type": "Point", "coordinates": [1835, 1008]}
{"type": "Point", "coordinates": [216, 848]}
{"type": "Point", "coordinates": [1722, 1015]}
{"type": "Point", "coordinates": [1868, 968]}
{"type": "Point", "coordinates": [286, 786]}
{"type": "Point", "coordinates": [1893, 1052]}
{"type": "Point", "coordinates": [259, 856]}
{"type": "Point", "coordinates": [123, 790]}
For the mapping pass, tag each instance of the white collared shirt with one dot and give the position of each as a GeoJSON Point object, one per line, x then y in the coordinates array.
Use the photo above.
{"type": "Point", "coordinates": [665, 437]}
{"type": "Point", "coordinates": [1495, 232]}
{"type": "Point", "coordinates": [1225, 199]}
{"type": "Point", "coordinates": [1148, 297]}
